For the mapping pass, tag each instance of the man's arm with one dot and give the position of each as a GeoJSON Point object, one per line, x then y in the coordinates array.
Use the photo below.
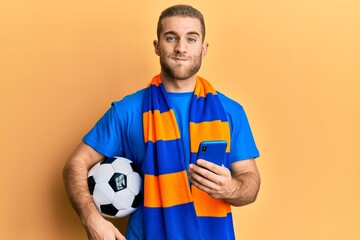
{"type": "Point", "coordinates": [237, 187]}
{"type": "Point", "coordinates": [75, 181]}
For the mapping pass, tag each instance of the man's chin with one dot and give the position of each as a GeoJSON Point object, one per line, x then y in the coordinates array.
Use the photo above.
{"type": "Point", "coordinates": [179, 71]}
{"type": "Point", "coordinates": [181, 75]}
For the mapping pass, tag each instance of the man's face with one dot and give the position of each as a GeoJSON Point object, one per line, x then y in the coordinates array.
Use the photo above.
{"type": "Point", "coordinates": [180, 47]}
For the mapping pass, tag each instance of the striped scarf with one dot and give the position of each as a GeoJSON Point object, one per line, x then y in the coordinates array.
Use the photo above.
{"type": "Point", "coordinates": [173, 208]}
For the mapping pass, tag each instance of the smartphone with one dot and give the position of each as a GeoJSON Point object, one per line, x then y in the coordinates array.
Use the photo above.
{"type": "Point", "coordinates": [212, 151]}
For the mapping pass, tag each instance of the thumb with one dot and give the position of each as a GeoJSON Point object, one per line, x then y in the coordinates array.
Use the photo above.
{"type": "Point", "coordinates": [118, 235]}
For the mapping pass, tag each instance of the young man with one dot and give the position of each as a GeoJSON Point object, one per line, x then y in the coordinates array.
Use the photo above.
{"type": "Point", "coordinates": [159, 128]}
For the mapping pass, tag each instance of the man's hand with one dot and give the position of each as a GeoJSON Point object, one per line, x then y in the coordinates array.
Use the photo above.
{"type": "Point", "coordinates": [101, 229]}
{"type": "Point", "coordinates": [237, 187]}
{"type": "Point", "coordinates": [212, 179]}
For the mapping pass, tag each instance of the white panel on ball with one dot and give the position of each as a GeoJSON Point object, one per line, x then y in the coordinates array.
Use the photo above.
{"type": "Point", "coordinates": [133, 183]}
{"type": "Point", "coordinates": [123, 199]}
{"type": "Point", "coordinates": [103, 193]}
{"type": "Point", "coordinates": [123, 167]}
{"type": "Point", "coordinates": [103, 173]}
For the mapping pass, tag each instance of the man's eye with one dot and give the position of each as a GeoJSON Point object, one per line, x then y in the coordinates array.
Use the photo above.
{"type": "Point", "coordinates": [191, 40]}
{"type": "Point", "coordinates": [170, 38]}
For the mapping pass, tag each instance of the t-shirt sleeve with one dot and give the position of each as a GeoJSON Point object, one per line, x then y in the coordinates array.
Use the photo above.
{"type": "Point", "coordinates": [242, 141]}
{"type": "Point", "coordinates": [105, 136]}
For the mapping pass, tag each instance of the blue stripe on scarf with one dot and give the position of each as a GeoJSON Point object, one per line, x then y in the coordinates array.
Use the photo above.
{"type": "Point", "coordinates": [211, 233]}
{"type": "Point", "coordinates": [176, 222]}
{"type": "Point", "coordinates": [207, 112]}
{"type": "Point", "coordinates": [175, 155]}
{"type": "Point", "coordinates": [159, 101]}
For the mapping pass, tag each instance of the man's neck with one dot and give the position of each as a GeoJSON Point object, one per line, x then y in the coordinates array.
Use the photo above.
{"type": "Point", "coordinates": [177, 85]}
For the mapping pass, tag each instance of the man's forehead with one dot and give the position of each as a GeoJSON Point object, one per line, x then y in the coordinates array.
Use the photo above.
{"type": "Point", "coordinates": [181, 24]}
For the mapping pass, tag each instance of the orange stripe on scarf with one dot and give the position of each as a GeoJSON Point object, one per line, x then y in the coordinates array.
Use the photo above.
{"type": "Point", "coordinates": [214, 130]}
{"type": "Point", "coordinates": [159, 131]}
{"type": "Point", "coordinates": [161, 190]}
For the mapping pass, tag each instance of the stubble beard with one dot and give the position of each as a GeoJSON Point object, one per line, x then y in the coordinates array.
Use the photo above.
{"type": "Point", "coordinates": [176, 73]}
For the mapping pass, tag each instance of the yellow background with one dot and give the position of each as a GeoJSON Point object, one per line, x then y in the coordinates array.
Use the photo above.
{"type": "Point", "coordinates": [293, 65]}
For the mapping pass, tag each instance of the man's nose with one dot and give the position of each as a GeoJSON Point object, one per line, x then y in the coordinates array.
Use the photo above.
{"type": "Point", "coordinates": [181, 46]}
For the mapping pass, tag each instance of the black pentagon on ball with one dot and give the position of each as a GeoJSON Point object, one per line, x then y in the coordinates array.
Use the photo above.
{"type": "Point", "coordinates": [107, 160]}
{"type": "Point", "coordinates": [118, 182]}
{"type": "Point", "coordinates": [135, 168]}
{"type": "Point", "coordinates": [108, 209]}
{"type": "Point", "coordinates": [137, 200]}
{"type": "Point", "coordinates": [91, 184]}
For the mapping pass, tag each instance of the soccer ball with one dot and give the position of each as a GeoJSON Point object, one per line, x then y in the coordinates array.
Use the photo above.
{"type": "Point", "coordinates": [115, 186]}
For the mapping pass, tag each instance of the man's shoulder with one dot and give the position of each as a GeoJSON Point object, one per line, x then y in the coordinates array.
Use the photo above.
{"type": "Point", "coordinates": [229, 103]}
{"type": "Point", "coordinates": [133, 99]}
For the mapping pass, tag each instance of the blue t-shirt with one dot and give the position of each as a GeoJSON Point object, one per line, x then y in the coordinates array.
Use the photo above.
{"type": "Point", "coordinates": [120, 133]}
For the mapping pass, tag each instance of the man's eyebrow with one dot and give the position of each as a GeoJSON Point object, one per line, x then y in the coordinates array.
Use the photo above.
{"type": "Point", "coordinates": [189, 33]}
{"type": "Point", "coordinates": [170, 32]}
{"type": "Point", "coordinates": [193, 33]}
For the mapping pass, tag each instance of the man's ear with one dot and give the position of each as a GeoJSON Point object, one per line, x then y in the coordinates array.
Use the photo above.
{"type": "Point", "coordinates": [156, 47]}
{"type": "Point", "coordinates": [205, 47]}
